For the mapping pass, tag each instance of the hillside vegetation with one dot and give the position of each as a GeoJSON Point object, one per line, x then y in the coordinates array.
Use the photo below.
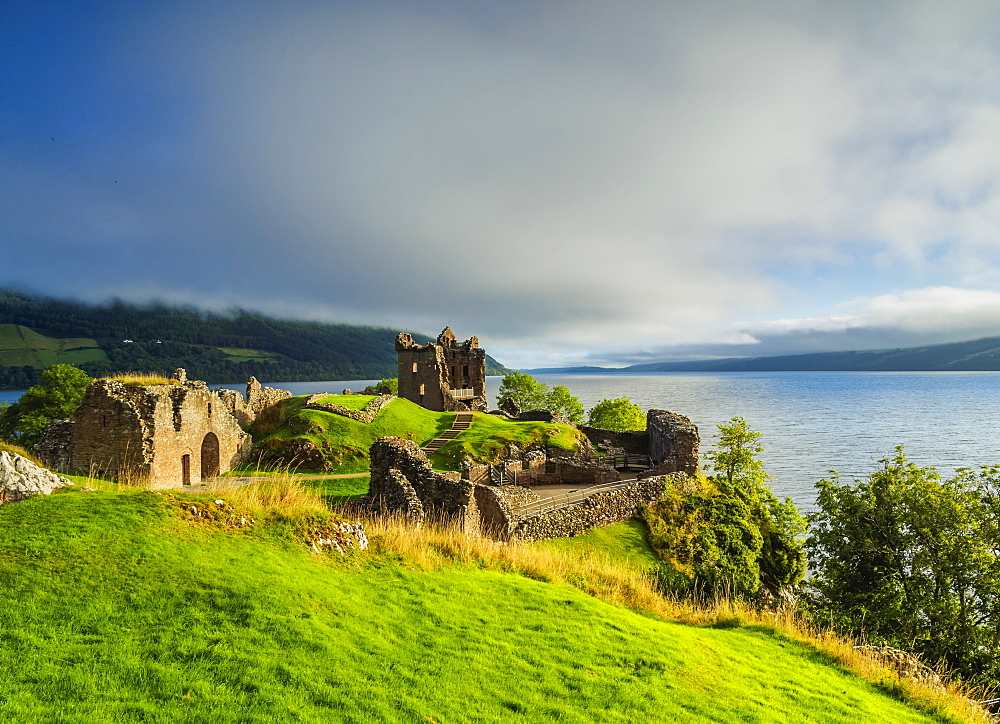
{"type": "Point", "coordinates": [344, 442]}
{"type": "Point", "coordinates": [975, 356]}
{"type": "Point", "coordinates": [121, 607]}
{"type": "Point", "coordinates": [37, 332]}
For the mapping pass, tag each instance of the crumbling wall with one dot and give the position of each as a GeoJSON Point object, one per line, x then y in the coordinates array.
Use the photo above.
{"type": "Point", "coordinates": [673, 443]}
{"type": "Point", "coordinates": [442, 495]}
{"type": "Point", "coordinates": [55, 446]}
{"type": "Point", "coordinates": [259, 402]}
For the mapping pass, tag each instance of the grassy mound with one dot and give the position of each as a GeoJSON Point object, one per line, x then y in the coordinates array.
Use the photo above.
{"type": "Point", "coordinates": [118, 607]}
{"type": "Point", "coordinates": [344, 442]}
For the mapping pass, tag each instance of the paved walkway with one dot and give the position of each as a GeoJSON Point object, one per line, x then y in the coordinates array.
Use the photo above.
{"type": "Point", "coordinates": [463, 421]}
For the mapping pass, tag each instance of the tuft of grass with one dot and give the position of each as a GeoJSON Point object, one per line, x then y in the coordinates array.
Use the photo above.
{"type": "Point", "coordinates": [142, 379]}
{"type": "Point", "coordinates": [18, 450]}
{"type": "Point", "coordinates": [285, 496]}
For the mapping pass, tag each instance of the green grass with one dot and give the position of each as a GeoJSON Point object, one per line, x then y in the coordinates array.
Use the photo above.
{"type": "Point", "coordinates": [489, 434]}
{"type": "Point", "coordinates": [336, 491]}
{"type": "Point", "coordinates": [114, 608]}
{"type": "Point", "coordinates": [240, 354]}
{"type": "Point", "coordinates": [21, 346]}
{"type": "Point", "coordinates": [351, 402]}
{"type": "Point", "coordinates": [626, 542]}
{"type": "Point", "coordinates": [348, 440]}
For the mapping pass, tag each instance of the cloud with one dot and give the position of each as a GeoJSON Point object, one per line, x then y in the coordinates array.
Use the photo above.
{"type": "Point", "coordinates": [917, 317]}
{"type": "Point", "coordinates": [567, 180]}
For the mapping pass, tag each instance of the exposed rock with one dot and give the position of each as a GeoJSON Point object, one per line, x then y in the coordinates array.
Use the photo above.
{"type": "Point", "coordinates": [20, 478]}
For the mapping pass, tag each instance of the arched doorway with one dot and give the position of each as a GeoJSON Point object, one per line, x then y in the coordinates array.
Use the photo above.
{"type": "Point", "coordinates": [209, 456]}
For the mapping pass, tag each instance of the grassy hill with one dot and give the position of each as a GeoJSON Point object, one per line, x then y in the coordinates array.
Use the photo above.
{"type": "Point", "coordinates": [121, 607]}
{"type": "Point", "coordinates": [344, 442]}
{"type": "Point", "coordinates": [36, 332]}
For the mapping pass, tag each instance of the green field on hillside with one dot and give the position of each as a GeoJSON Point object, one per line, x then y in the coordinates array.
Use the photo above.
{"type": "Point", "coordinates": [625, 542]}
{"type": "Point", "coordinates": [114, 607]}
{"type": "Point", "coordinates": [23, 347]}
{"type": "Point", "coordinates": [346, 441]}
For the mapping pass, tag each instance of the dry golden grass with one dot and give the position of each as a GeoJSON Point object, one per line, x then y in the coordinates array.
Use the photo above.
{"type": "Point", "coordinates": [283, 495]}
{"type": "Point", "coordinates": [142, 379]}
{"type": "Point", "coordinates": [434, 546]}
{"type": "Point", "coordinates": [18, 450]}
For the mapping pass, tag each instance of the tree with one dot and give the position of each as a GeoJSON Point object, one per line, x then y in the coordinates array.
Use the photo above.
{"type": "Point", "coordinates": [617, 414]}
{"type": "Point", "coordinates": [56, 397]}
{"type": "Point", "coordinates": [907, 559]}
{"type": "Point", "coordinates": [526, 392]}
{"type": "Point", "coordinates": [728, 534]}
{"type": "Point", "coordinates": [388, 386]}
{"type": "Point", "coordinates": [562, 402]}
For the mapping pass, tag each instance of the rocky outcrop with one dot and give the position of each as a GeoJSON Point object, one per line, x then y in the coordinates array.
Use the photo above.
{"type": "Point", "coordinates": [20, 478]}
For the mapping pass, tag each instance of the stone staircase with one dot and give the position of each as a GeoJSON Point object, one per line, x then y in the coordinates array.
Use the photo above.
{"type": "Point", "coordinates": [463, 421]}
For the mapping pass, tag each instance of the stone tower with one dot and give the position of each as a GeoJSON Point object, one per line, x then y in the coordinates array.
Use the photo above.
{"type": "Point", "coordinates": [446, 376]}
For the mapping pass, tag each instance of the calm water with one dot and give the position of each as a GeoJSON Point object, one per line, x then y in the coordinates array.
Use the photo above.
{"type": "Point", "coordinates": [812, 421]}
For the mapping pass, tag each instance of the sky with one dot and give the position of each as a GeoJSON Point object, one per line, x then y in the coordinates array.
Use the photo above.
{"type": "Point", "coordinates": [574, 182]}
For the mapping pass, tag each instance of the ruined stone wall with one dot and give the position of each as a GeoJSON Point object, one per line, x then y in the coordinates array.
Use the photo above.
{"type": "Point", "coordinates": [441, 495]}
{"type": "Point", "coordinates": [428, 373]}
{"type": "Point", "coordinates": [673, 443]}
{"type": "Point", "coordinates": [633, 442]}
{"type": "Point", "coordinates": [366, 415]}
{"type": "Point", "coordinates": [594, 512]}
{"type": "Point", "coordinates": [55, 446]}
{"type": "Point", "coordinates": [259, 401]}
{"type": "Point", "coordinates": [166, 434]}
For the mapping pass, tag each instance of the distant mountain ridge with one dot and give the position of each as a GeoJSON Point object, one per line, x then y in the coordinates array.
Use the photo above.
{"type": "Point", "coordinates": [36, 332]}
{"type": "Point", "coordinates": [981, 355]}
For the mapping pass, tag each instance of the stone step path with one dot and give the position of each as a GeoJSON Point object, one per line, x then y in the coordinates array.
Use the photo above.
{"type": "Point", "coordinates": [463, 421]}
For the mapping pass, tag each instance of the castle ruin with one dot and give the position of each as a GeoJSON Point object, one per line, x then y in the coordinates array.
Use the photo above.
{"type": "Point", "coordinates": [444, 376]}
{"type": "Point", "coordinates": [164, 434]}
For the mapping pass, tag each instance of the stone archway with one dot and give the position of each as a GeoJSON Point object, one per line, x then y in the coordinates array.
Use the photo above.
{"type": "Point", "coordinates": [210, 456]}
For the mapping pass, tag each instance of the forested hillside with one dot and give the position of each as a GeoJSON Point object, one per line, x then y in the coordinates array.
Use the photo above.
{"type": "Point", "coordinates": [36, 332]}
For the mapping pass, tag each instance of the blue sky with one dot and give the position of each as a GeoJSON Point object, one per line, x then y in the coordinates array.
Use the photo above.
{"type": "Point", "coordinates": [575, 182]}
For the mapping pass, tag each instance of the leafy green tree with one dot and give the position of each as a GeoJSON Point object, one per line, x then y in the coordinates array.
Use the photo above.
{"type": "Point", "coordinates": [388, 386]}
{"type": "Point", "coordinates": [56, 397]}
{"type": "Point", "coordinates": [526, 392]}
{"type": "Point", "coordinates": [617, 414]}
{"type": "Point", "coordinates": [908, 559]}
{"type": "Point", "coordinates": [562, 402]}
{"type": "Point", "coordinates": [728, 534]}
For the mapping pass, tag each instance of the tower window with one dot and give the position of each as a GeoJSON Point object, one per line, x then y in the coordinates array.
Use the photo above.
{"type": "Point", "coordinates": [421, 390]}
{"type": "Point", "coordinates": [414, 367]}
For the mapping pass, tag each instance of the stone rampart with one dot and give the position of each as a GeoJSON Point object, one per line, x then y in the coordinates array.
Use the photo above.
{"type": "Point", "coordinates": [259, 402]}
{"type": "Point", "coordinates": [365, 415]}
